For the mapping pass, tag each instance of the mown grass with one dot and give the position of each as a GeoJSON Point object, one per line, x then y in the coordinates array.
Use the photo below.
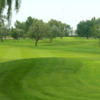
{"type": "Point", "coordinates": [67, 69]}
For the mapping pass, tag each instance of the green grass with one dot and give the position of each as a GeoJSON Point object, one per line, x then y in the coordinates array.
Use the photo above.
{"type": "Point", "coordinates": [67, 69]}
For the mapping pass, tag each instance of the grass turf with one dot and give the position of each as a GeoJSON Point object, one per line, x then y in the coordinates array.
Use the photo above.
{"type": "Point", "coordinates": [67, 69]}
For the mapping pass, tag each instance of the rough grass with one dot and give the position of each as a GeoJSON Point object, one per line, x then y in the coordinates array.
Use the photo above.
{"type": "Point", "coordinates": [67, 69]}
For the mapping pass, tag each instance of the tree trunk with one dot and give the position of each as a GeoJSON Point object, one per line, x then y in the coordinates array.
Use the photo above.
{"type": "Point", "coordinates": [87, 37]}
{"type": "Point", "coordinates": [50, 40]}
{"type": "Point", "coordinates": [61, 37]}
{"type": "Point", "coordinates": [1, 39]}
{"type": "Point", "coordinates": [36, 43]}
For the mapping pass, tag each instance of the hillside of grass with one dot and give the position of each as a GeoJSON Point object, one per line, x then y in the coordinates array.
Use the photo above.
{"type": "Point", "coordinates": [67, 69]}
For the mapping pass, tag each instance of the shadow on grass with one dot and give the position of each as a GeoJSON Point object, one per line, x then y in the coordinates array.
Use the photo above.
{"type": "Point", "coordinates": [15, 74]}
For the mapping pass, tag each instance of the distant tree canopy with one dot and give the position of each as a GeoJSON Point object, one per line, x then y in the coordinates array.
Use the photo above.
{"type": "Point", "coordinates": [88, 28]}
{"type": "Point", "coordinates": [14, 33]}
{"type": "Point", "coordinates": [37, 29]}
{"type": "Point", "coordinates": [7, 4]}
{"type": "Point", "coordinates": [52, 32]}
{"type": "Point", "coordinates": [56, 29]}
{"type": "Point", "coordinates": [84, 29]}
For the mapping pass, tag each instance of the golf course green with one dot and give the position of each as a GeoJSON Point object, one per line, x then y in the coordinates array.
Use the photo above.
{"type": "Point", "coordinates": [66, 69]}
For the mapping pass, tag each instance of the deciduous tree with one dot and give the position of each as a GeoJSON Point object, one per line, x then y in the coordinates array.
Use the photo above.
{"type": "Point", "coordinates": [37, 30]}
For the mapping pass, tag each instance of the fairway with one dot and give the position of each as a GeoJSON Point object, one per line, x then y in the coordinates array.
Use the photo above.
{"type": "Point", "coordinates": [67, 69]}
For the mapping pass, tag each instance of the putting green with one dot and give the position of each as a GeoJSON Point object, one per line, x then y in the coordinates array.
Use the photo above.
{"type": "Point", "coordinates": [67, 69]}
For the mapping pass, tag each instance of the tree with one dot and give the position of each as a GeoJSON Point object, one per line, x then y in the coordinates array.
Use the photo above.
{"type": "Point", "coordinates": [20, 33]}
{"type": "Point", "coordinates": [85, 29]}
{"type": "Point", "coordinates": [20, 26]}
{"type": "Point", "coordinates": [98, 36]}
{"type": "Point", "coordinates": [1, 34]}
{"type": "Point", "coordinates": [52, 32]}
{"type": "Point", "coordinates": [67, 30]}
{"type": "Point", "coordinates": [96, 28]}
{"type": "Point", "coordinates": [89, 28]}
{"type": "Point", "coordinates": [58, 25]}
{"type": "Point", "coordinates": [7, 4]}
{"type": "Point", "coordinates": [28, 23]}
{"type": "Point", "coordinates": [14, 33]}
{"type": "Point", "coordinates": [61, 30]}
{"type": "Point", "coordinates": [25, 25]}
{"type": "Point", "coordinates": [37, 30]}
{"type": "Point", "coordinates": [2, 28]}
{"type": "Point", "coordinates": [61, 26]}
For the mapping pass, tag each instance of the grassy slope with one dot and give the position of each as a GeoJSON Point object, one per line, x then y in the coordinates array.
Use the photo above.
{"type": "Point", "coordinates": [67, 69]}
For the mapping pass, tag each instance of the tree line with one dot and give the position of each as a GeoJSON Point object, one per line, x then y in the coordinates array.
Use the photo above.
{"type": "Point", "coordinates": [89, 29]}
{"type": "Point", "coordinates": [36, 29]}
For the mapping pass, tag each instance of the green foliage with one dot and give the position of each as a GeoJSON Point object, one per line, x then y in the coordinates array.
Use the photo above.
{"type": "Point", "coordinates": [1, 34]}
{"type": "Point", "coordinates": [37, 30]}
{"type": "Point", "coordinates": [55, 32]}
{"type": "Point", "coordinates": [54, 22]}
{"type": "Point", "coordinates": [20, 25]}
{"type": "Point", "coordinates": [20, 28]}
{"type": "Point", "coordinates": [61, 29]}
{"type": "Point", "coordinates": [84, 29]}
{"type": "Point", "coordinates": [7, 4]}
{"type": "Point", "coordinates": [28, 23]}
{"type": "Point", "coordinates": [24, 25]}
{"type": "Point", "coordinates": [21, 33]}
{"type": "Point", "coordinates": [15, 33]}
{"type": "Point", "coordinates": [97, 28]}
{"type": "Point", "coordinates": [67, 31]}
{"type": "Point", "coordinates": [58, 25]}
{"type": "Point", "coordinates": [3, 29]}
{"type": "Point", "coordinates": [89, 28]}
{"type": "Point", "coordinates": [52, 32]}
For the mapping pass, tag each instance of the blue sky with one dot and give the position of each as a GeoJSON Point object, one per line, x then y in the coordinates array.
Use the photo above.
{"type": "Point", "coordinates": [67, 11]}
